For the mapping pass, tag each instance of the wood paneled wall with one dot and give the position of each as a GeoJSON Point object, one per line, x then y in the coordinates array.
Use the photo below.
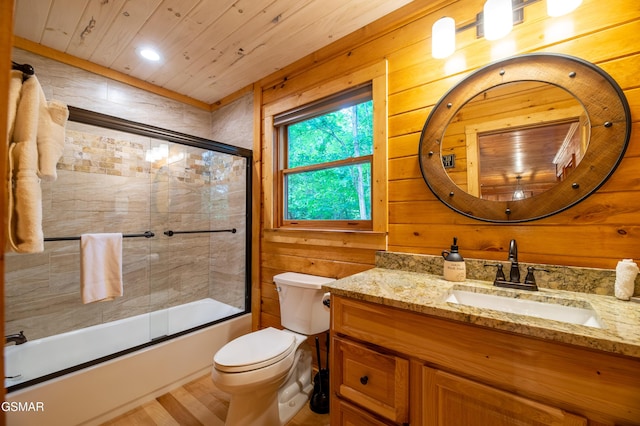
{"type": "Point", "coordinates": [596, 233]}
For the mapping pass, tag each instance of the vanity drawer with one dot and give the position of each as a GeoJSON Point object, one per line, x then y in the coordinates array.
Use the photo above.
{"type": "Point", "coordinates": [345, 414]}
{"type": "Point", "coordinates": [376, 381]}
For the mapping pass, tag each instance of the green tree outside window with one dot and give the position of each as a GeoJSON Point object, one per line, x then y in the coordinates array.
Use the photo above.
{"type": "Point", "coordinates": [333, 154]}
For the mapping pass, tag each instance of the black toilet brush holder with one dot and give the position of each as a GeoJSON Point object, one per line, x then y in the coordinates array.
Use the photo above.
{"type": "Point", "coordinates": [319, 402]}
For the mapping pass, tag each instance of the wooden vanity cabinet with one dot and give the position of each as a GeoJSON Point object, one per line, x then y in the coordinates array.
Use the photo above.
{"type": "Point", "coordinates": [349, 415]}
{"type": "Point", "coordinates": [452, 400]}
{"type": "Point", "coordinates": [376, 381]}
{"type": "Point", "coordinates": [393, 366]}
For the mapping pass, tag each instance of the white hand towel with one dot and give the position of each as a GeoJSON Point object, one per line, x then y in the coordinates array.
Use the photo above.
{"type": "Point", "coordinates": [100, 267]}
{"type": "Point", "coordinates": [626, 272]}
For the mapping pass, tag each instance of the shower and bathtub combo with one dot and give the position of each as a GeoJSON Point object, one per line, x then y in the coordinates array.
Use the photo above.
{"type": "Point", "coordinates": [186, 284]}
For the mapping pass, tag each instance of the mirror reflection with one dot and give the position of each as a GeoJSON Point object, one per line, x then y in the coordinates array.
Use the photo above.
{"type": "Point", "coordinates": [515, 141]}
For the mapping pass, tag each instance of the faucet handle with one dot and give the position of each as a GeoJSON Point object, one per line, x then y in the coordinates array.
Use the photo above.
{"type": "Point", "coordinates": [499, 272]}
{"type": "Point", "coordinates": [530, 278]}
{"type": "Point", "coordinates": [513, 251]}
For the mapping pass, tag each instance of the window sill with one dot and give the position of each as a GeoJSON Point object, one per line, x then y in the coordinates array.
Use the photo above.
{"type": "Point", "coordinates": [339, 237]}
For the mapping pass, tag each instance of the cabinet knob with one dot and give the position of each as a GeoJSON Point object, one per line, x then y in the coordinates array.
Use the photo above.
{"type": "Point", "coordinates": [364, 380]}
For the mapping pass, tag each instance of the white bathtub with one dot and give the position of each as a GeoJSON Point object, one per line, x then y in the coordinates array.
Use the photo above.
{"type": "Point", "coordinates": [41, 357]}
{"type": "Point", "coordinates": [99, 392]}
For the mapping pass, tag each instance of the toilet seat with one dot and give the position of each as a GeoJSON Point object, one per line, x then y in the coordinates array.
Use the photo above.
{"type": "Point", "coordinates": [255, 350]}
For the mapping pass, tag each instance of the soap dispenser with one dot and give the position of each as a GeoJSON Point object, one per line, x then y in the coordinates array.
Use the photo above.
{"type": "Point", "coordinates": [454, 267]}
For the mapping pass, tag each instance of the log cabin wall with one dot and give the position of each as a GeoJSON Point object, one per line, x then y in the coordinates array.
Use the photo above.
{"type": "Point", "coordinates": [598, 232]}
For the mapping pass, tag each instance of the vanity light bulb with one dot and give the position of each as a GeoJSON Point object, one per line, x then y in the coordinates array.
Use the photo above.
{"type": "Point", "coordinates": [498, 19]}
{"type": "Point", "coordinates": [443, 37]}
{"type": "Point", "coordinates": [561, 7]}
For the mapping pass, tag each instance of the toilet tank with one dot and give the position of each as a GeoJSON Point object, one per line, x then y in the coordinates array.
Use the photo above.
{"type": "Point", "coordinates": [301, 307]}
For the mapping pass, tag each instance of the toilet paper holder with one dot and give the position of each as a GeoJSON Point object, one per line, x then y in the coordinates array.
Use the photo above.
{"type": "Point", "coordinates": [326, 300]}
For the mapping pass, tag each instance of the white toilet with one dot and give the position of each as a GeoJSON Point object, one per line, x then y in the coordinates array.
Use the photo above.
{"type": "Point", "coordinates": [268, 372]}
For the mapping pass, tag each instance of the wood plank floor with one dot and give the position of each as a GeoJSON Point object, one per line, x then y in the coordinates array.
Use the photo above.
{"type": "Point", "coordinates": [197, 403]}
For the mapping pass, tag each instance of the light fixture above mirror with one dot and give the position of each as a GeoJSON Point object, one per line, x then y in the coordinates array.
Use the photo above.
{"type": "Point", "coordinates": [494, 22]}
{"type": "Point", "coordinates": [557, 8]}
{"type": "Point", "coordinates": [443, 37]}
{"type": "Point", "coordinates": [497, 18]}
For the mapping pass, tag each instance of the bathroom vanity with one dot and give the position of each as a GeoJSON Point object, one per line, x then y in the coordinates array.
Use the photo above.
{"type": "Point", "coordinates": [404, 352]}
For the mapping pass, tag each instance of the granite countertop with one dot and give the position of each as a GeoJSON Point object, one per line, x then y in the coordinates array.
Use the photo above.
{"type": "Point", "coordinates": [426, 293]}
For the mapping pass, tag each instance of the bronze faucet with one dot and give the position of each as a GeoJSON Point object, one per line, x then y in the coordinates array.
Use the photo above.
{"type": "Point", "coordinates": [18, 338]}
{"type": "Point", "coordinates": [514, 272]}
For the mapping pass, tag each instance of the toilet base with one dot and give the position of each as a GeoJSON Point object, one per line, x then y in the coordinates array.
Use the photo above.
{"type": "Point", "coordinates": [275, 402]}
{"type": "Point", "coordinates": [257, 408]}
{"type": "Point", "coordinates": [297, 390]}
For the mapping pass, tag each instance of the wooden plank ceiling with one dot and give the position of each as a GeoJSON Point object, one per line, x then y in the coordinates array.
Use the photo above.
{"type": "Point", "coordinates": [209, 48]}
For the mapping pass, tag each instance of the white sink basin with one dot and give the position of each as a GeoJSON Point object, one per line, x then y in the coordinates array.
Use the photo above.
{"type": "Point", "coordinates": [584, 315]}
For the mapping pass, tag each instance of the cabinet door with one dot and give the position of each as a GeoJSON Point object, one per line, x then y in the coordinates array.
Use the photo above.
{"type": "Point", "coordinates": [452, 401]}
{"type": "Point", "coordinates": [376, 381]}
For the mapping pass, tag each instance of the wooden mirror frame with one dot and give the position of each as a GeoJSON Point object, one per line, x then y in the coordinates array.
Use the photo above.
{"type": "Point", "coordinates": [609, 119]}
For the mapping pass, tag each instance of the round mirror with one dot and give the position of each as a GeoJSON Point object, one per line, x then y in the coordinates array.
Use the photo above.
{"type": "Point", "coordinates": [524, 138]}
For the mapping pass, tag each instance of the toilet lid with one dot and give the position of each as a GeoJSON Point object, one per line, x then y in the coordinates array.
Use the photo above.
{"type": "Point", "coordinates": [254, 350]}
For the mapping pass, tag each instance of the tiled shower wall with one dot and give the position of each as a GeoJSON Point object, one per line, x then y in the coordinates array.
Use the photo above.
{"type": "Point", "coordinates": [105, 184]}
{"type": "Point", "coordinates": [108, 182]}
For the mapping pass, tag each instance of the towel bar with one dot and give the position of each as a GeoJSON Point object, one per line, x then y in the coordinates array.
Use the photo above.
{"type": "Point", "coordinates": [172, 233]}
{"type": "Point", "coordinates": [146, 234]}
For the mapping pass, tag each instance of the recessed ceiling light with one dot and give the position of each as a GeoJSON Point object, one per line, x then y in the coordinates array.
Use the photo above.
{"type": "Point", "coordinates": [150, 54]}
